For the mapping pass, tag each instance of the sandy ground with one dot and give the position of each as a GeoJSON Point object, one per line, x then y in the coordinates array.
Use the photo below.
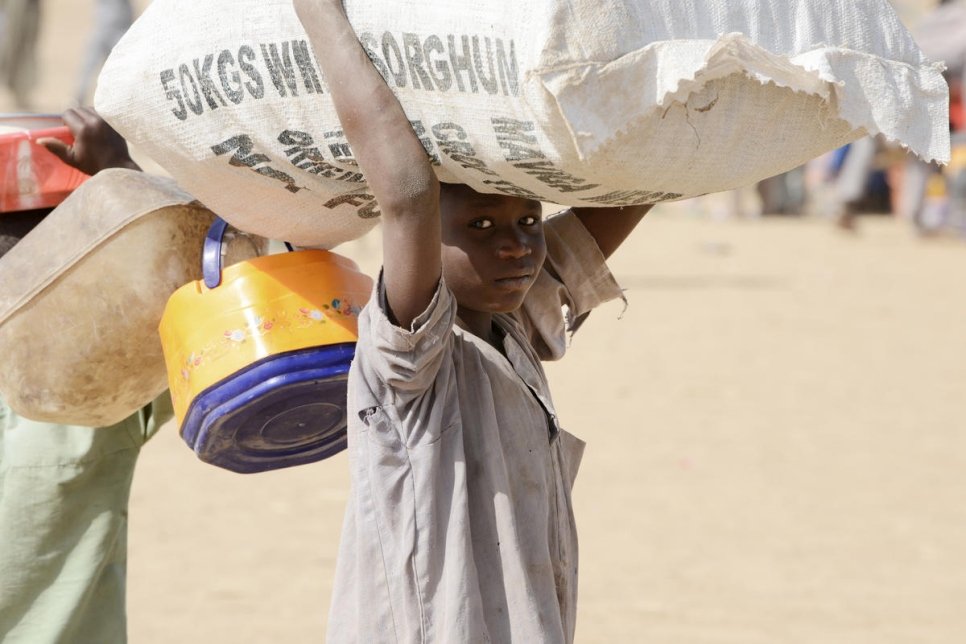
{"type": "Point", "coordinates": [776, 454]}
{"type": "Point", "coordinates": [776, 450]}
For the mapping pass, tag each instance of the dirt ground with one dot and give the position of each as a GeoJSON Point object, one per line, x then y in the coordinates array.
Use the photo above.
{"type": "Point", "coordinates": [776, 454]}
{"type": "Point", "coordinates": [776, 449]}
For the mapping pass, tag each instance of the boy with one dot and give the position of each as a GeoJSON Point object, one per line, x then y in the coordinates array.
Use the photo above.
{"type": "Point", "coordinates": [459, 526]}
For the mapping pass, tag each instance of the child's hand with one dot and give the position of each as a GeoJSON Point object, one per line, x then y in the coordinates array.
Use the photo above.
{"type": "Point", "coordinates": [312, 8]}
{"type": "Point", "coordinates": [97, 146]}
{"type": "Point", "coordinates": [306, 8]}
{"type": "Point", "coordinates": [319, 15]}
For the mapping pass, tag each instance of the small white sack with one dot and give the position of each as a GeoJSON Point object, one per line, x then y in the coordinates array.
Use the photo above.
{"type": "Point", "coordinates": [586, 102]}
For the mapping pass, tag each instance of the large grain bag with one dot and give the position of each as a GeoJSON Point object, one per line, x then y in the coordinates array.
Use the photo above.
{"type": "Point", "coordinates": [585, 102]}
{"type": "Point", "coordinates": [81, 296]}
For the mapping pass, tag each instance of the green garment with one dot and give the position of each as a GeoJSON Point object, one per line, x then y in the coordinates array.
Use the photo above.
{"type": "Point", "coordinates": [18, 47]}
{"type": "Point", "coordinates": [63, 526]}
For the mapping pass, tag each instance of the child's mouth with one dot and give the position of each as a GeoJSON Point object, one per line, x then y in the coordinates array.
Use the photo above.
{"type": "Point", "coordinates": [514, 282]}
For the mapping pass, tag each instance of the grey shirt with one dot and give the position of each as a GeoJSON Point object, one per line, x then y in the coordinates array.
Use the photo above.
{"type": "Point", "coordinates": [459, 525]}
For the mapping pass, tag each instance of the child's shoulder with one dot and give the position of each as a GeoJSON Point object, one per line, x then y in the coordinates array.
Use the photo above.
{"type": "Point", "coordinates": [407, 357]}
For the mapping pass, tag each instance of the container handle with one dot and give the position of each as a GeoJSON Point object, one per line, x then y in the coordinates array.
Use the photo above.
{"type": "Point", "coordinates": [211, 254]}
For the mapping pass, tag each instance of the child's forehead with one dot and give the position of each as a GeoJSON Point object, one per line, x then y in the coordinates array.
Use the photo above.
{"type": "Point", "coordinates": [458, 198]}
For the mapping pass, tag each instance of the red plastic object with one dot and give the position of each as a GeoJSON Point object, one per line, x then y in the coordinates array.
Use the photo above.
{"type": "Point", "coordinates": [30, 176]}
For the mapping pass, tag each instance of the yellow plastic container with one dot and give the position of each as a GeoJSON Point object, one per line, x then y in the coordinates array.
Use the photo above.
{"type": "Point", "coordinates": [257, 364]}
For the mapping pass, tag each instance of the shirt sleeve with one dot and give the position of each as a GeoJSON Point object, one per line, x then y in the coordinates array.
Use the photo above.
{"type": "Point", "coordinates": [405, 360]}
{"type": "Point", "coordinates": [575, 279]}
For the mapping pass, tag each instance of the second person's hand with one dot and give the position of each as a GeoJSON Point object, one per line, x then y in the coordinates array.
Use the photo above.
{"type": "Point", "coordinates": [97, 146]}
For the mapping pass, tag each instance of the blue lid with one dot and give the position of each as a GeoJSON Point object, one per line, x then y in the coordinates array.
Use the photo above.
{"type": "Point", "coordinates": [284, 410]}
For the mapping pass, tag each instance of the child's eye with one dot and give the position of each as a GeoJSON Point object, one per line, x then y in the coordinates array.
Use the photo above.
{"type": "Point", "coordinates": [481, 224]}
{"type": "Point", "coordinates": [529, 220]}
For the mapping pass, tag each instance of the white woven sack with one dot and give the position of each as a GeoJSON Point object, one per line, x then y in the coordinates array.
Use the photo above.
{"type": "Point", "coordinates": [585, 102]}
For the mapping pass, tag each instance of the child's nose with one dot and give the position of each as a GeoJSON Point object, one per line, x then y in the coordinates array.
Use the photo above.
{"type": "Point", "coordinates": [513, 246]}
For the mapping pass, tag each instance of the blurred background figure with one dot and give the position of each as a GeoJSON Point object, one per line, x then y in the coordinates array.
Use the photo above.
{"type": "Point", "coordinates": [941, 34]}
{"type": "Point", "coordinates": [19, 28]}
{"type": "Point", "coordinates": [783, 194]}
{"type": "Point", "coordinates": [934, 198]}
{"type": "Point", "coordinates": [860, 181]}
{"type": "Point", "coordinates": [871, 176]}
{"type": "Point", "coordinates": [112, 18]}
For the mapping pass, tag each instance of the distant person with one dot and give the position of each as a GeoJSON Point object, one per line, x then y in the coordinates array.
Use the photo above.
{"type": "Point", "coordinates": [928, 199]}
{"type": "Point", "coordinates": [783, 194]}
{"type": "Point", "coordinates": [112, 19]}
{"type": "Point", "coordinates": [19, 28]}
{"type": "Point", "coordinates": [64, 489]}
{"type": "Point", "coordinates": [860, 184]}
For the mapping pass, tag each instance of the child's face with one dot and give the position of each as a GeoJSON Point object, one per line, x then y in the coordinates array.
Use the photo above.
{"type": "Point", "coordinates": [493, 248]}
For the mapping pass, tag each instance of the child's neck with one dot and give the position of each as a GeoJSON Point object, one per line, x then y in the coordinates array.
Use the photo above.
{"type": "Point", "coordinates": [480, 324]}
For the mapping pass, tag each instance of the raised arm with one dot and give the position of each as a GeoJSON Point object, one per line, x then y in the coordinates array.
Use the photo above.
{"type": "Point", "coordinates": [611, 226]}
{"type": "Point", "coordinates": [390, 155]}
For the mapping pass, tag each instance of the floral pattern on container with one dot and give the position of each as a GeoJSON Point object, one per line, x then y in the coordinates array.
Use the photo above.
{"type": "Point", "coordinates": [262, 325]}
